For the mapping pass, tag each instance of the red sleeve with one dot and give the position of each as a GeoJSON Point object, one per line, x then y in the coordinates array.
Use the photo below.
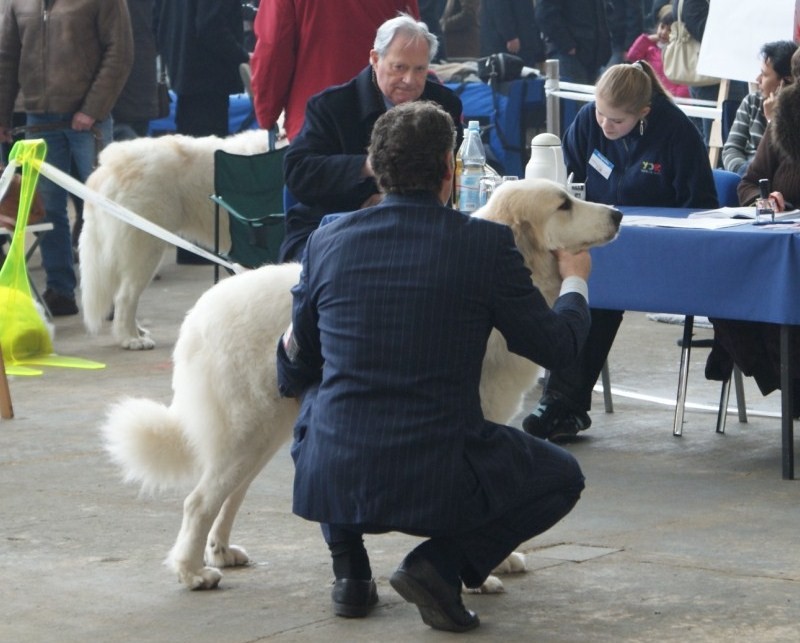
{"type": "Point", "coordinates": [273, 62]}
{"type": "Point", "coordinates": [638, 49]}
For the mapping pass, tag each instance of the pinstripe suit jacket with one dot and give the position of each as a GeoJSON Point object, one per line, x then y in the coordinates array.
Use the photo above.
{"type": "Point", "coordinates": [391, 315]}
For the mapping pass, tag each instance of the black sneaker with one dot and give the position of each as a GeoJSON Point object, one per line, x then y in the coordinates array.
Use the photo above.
{"type": "Point", "coordinates": [59, 305]}
{"type": "Point", "coordinates": [556, 420]}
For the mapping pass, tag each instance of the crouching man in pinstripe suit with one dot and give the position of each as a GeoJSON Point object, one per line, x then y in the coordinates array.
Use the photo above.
{"type": "Point", "coordinates": [391, 317]}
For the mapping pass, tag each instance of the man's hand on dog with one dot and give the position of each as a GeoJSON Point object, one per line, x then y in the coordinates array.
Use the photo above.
{"type": "Point", "coordinates": [578, 264]}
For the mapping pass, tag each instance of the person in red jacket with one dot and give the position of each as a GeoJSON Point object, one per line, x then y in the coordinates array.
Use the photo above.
{"type": "Point", "coordinates": [305, 46]}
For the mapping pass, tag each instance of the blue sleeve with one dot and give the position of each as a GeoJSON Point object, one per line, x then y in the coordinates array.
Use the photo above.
{"type": "Point", "coordinates": [549, 337]}
{"type": "Point", "coordinates": [303, 368]}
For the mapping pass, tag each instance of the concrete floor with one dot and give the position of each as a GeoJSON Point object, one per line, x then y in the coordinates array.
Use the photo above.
{"type": "Point", "coordinates": [675, 539]}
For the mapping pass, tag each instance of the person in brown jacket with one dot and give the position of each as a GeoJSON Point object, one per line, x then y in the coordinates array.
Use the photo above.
{"type": "Point", "coordinates": [70, 59]}
{"type": "Point", "coordinates": [755, 346]}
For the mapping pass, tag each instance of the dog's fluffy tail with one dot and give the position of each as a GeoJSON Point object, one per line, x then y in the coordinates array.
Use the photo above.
{"type": "Point", "coordinates": [96, 248]}
{"type": "Point", "coordinates": [146, 440]}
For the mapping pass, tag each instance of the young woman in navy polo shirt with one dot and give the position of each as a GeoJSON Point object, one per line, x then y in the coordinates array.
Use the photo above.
{"type": "Point", "coordinates": [631, 146]}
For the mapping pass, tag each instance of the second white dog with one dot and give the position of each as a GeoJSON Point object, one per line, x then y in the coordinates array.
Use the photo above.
{"type": "Point", "coordinates": [167, 180]}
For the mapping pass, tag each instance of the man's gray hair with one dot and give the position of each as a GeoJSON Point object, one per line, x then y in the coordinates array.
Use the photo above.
{"type": "Point", "coordinates": [404, 25]}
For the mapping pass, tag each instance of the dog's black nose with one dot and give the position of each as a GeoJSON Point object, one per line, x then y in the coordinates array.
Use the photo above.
{"type": "Point", "coordinates": [616, 216]}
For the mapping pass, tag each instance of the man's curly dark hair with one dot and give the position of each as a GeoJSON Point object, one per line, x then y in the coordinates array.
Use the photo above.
{"type": "Point", "coordinates": [409, 146]}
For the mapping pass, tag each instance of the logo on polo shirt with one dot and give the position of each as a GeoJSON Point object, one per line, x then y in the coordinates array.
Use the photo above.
{"type": "Point", "coordinates": [649, 167]}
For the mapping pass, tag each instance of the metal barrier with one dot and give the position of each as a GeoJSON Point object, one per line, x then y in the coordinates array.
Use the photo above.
{"type": "Point", "coordinates": [557, 90]}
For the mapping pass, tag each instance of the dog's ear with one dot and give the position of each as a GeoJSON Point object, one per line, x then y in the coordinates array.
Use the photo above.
{"type": "Point", "coordinates": [529, 234]}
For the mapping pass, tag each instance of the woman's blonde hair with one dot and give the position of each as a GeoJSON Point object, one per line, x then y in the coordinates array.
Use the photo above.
{"type": "Point", "coordinates": [629, 87]}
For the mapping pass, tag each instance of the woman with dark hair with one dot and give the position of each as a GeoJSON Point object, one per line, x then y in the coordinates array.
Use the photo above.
{"type": "Point", "coordinates": [756, 108]}
{"type": "Point", "coordinates": [631, 146]}
{"type": "Point", "coordinates": [755, 346]}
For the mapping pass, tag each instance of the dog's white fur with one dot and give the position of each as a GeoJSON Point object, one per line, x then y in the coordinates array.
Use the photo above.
{"type": "Point", "coordinates": [227, 420]}
{"type": "Point", "coordinates": [167, 180]}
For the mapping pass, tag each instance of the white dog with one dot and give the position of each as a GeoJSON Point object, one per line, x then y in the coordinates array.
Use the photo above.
{"type": "Point", "coordinates": [227, 420]}
{"type": "Point", "coordinates": [166, 180]}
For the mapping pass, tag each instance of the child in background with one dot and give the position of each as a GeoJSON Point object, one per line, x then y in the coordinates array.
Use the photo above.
{"type": "Point", "coordinates": [648, 47]}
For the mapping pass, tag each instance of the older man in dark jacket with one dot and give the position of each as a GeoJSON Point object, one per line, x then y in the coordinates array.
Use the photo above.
{"type": "Point", "coordinates": [326, 165]}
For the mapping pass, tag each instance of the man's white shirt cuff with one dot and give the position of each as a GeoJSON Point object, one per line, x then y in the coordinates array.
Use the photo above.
{"type": "Point", "coordinates": [575, 284]}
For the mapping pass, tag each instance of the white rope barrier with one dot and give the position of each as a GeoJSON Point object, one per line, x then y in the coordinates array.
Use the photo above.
{"type": "Point", "coordinates": [7, 177]}
{"type": "Point", "coordinates": [128, 216]}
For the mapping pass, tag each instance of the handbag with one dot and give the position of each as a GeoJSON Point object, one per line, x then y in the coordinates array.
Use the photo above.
{"type": "Point", "coordinates": [10, 204]}
{"type": "Point", "coordinates": [164, 99]}
{"type": "Point", "coordinates": [500, 67]}
{"type": "Point", "coordinates": [681, 54]}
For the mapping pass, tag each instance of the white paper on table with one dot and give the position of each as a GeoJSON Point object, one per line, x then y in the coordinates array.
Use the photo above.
{"type": "Point", "coordinates": [741, 212]}
{"type": "Point", "coordinates": [706, 223]}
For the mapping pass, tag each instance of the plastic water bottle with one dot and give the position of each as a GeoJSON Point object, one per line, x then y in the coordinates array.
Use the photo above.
{"type": "Point", "coordinates": [458, 171]}
{"type": "Point", "coordinates": [473, 159]}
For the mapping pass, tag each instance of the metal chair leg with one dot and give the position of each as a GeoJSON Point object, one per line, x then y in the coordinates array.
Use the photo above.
{"type": "Point", "coordinates": [722, 412]}
{"type": "Point", "coordinates": [216, 241]}
{"type": "Point", "coordinates": [741, 406]}
{"type": "Point", "coordinates": [724, 398]}
{"type": "Point", "coordinates": [683, 375]}
{"type": "Point", "coordinates": [606, 379]}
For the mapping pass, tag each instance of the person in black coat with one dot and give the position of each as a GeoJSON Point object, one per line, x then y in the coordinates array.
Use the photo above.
{"type": "Point", "coordinates": [576, 32]}
{"type": "Point", "coordinates": [626, 22]}
{"type": "Point", "coordinates": [202, 44]}
{"type": "Point", "coordinates": [694, 16]}
{"type": "Point", "coordinates": [509, 26]}
{"type": "Point", "coordinates": [137, 104]}
{"type": "Point", "coordinates": [326, 167]}
{"type": "Point", "coordinates": [430, 12]}
{"type": "Point", "coordinates": [390, 320]}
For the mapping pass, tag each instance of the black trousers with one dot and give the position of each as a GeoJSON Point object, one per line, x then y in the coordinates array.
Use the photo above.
{"type": "Point", "coordinates": [471, 553]}
{"type": "Point", "coordinates": [576, 380]}
{"type": "Point", "coordinates": [202, 114]}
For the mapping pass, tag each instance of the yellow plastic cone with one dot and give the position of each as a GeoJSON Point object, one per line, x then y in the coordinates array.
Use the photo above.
{"type": "Point", "coordinates": [24, 336]}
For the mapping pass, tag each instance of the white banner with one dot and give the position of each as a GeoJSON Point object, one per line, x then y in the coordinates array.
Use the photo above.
{"type": "Point", "coordinates": [735, 32]}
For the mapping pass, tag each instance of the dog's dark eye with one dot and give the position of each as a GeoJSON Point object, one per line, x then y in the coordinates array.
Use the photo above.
{"type": "Point", "coordinates": [566, 205]}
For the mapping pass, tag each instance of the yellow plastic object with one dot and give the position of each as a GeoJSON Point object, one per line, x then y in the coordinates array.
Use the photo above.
{"type": "Point", "coordinates": [24, 335]}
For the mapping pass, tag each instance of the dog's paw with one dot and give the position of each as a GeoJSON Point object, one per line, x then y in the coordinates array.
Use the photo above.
{"type": "Point", "coordinates": [142, 343]}
{"type": "Point", "coordinates": [204, 578]}
{"type": "Point", "coordinates": [492, 585]}
{"type": "Point", "coordinates": [514, 564]}
{"type": "Point", "coordinates": [226, 556]}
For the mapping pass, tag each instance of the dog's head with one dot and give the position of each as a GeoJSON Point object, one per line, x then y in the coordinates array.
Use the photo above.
{"type": "Point", "coordinates": [544, 217]}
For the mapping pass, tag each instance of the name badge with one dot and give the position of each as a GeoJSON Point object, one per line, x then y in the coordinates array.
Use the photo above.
{"type": "Point", "coordinates": [601, 164]}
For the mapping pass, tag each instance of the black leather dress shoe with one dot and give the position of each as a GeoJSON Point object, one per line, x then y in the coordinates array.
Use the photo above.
{"type": "Point", "coordinates": [353, 598]}
{"type": "Point", "coordinates": [439, 603]}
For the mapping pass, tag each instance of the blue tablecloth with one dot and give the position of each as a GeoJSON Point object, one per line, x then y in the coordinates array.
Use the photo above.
{"type": "Point", "coordinates": [742, 272]}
